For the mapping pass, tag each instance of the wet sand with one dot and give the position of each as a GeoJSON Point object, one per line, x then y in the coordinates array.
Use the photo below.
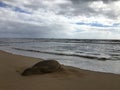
{"type": "Point", "coordinates": [71, 78]}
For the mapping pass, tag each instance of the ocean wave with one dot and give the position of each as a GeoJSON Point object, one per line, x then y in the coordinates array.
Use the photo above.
{"type": "Point", "coordinates": [67, 54]}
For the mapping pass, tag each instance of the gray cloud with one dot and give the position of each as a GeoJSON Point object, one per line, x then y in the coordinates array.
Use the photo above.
{"type": "Point", "coordinates": [18, 29]}
{"type": "Point", "coordinates": [73, 8]}
{"type": "Point", "coordinates": [86, 1]}
{"type": "Point", "coordinates": [50, 18]}
{"type": "Point", "coordinates": [82, 7]}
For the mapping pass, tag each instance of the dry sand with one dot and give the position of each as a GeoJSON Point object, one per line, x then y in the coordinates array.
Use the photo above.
{"type": "Point", "coordinates": [69, 79]}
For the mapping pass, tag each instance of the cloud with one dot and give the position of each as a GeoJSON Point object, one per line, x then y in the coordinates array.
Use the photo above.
{"type": "Point", "coordinates": [72, 7]}
{"type": "Point", "coordinates": [60, 18]}
{"type": "Point", "coordinates": [92, 8]}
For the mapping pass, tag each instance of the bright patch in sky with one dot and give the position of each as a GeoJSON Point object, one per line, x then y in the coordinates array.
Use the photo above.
{"type": "Point", "coordinates": [83, 19]}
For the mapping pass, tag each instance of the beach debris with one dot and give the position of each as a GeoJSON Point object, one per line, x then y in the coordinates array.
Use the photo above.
{"type": "Point", "coordinates": [46, 66]}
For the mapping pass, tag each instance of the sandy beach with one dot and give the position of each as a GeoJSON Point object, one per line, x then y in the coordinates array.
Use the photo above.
{"type": "Point", "coordinates": [11, 67]}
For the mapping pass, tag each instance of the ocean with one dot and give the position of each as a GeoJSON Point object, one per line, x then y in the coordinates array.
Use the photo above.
{"type": "Point", "coordinates": [94, 55]}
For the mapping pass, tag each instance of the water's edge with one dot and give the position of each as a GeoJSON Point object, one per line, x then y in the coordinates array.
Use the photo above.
{"type": "Point", "coordinates": [64, 63]}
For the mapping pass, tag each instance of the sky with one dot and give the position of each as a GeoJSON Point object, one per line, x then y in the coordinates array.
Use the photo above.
{"type": "Point", "coordinates": [74, 19]}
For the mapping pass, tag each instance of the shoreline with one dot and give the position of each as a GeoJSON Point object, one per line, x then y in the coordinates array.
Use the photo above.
{"type": "Point", "coordinates": [86, 69]}
{"type": "Point", "coordinates": [71, 78]}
